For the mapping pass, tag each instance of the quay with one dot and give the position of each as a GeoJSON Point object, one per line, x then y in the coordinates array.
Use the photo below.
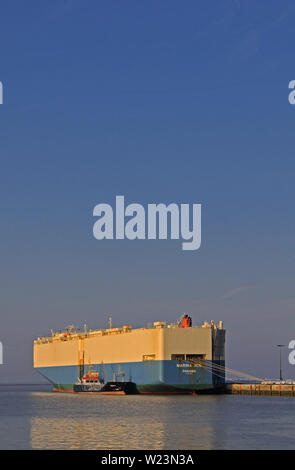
{"type": "Point", "coordinates": [260, 389]}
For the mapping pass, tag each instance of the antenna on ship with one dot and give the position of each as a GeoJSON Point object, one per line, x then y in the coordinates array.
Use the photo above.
{"type": "Point", "coordinates": [110, 323]}
{"type": "Point", "coordinates": [104, 372]}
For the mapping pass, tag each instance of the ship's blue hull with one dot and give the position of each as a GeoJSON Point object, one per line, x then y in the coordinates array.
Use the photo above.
{"type": "Point", "coordinates": [149, 377]}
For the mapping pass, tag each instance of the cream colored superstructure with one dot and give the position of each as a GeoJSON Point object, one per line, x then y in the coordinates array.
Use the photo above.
{"type": "Point", "coordinates": [121, 345]}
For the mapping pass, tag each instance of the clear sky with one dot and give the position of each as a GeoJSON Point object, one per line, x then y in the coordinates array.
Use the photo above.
{"type": "Point", "coordinates": [166, 101]}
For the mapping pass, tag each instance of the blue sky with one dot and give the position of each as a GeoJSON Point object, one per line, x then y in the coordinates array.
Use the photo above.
{"type": "Point", "coordinates": [161, 102]}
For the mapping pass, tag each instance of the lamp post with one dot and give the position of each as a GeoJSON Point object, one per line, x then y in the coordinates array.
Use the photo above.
{"type": "Point", "coordinates": [281, 346]}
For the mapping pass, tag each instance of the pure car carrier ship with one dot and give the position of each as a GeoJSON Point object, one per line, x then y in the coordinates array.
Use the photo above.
{"type": "Point", "coordinates": [174, 358]}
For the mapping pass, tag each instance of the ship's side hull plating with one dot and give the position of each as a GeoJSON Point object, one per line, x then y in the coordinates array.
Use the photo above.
{"type": "Point", "coordinates": [149, 377]}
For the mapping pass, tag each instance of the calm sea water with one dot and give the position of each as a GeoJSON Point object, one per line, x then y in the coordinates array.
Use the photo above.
{"type": "Point", "coordinates": [39, 419]}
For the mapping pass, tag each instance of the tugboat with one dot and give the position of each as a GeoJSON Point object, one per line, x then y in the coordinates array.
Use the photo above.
{"type": "Point", "coordinates": [93, 383]}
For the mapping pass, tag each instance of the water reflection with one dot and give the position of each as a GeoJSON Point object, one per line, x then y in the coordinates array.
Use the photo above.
{"type": "Point", "coordinates": [42, 420]}
{"type": "Point", "coordinates": [99, 422]}
{"type": "Point", "coordinates": [67, 433]}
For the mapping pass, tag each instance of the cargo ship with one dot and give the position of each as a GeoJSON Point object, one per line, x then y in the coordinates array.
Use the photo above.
{"type": "Point", "coordinates": [160, 358]}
